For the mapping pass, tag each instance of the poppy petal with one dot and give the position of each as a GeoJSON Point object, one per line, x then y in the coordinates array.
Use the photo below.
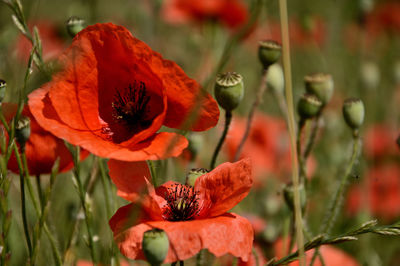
{"type": "Point", "coordinates": [228, 233]}
{"type": "Point", "coordinates": [154, 148]}
{"type": "Point", "coordinates": [224, 187]}
{"type": "Point", "coordinates": [129, 177]}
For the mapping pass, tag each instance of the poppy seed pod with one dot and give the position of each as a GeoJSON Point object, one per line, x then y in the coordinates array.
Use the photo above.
{"type": "Point", "coordinates": [275, 78]}
{"type": "Point", "coordinates": [308, 106]}
{"type": "Point", "coordinates": [155, 246]}
{"type": "Point", "coordinates": [288, 193]}
{"type": "Point", "coordinates": [3, 87]}
{"type": "Point", "coordinates": [269, 52]}
{"type": "Point", "coordinates": [74, 25]}
{"type": "Point", "coordinates": [229, 90]}
{"type": "Point", "coordinates": [194, 174]}
{"type": "Point", "coordinates": [22, 130]}
{"type": "Point", "coordinates": [321, 85]}
{"type": "Point", "coordinates": [353, 112]}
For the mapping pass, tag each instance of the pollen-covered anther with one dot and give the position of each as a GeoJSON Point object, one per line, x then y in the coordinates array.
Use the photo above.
{"type": "Point", "coordinates": [182, 203]}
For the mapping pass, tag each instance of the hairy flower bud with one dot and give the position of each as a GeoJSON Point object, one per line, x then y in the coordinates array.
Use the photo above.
{"type": "Point", "coordinates": [22, 131]}
{"type": "Point", "coordinates": [321, 85]}
{"type": "Point", "coordinates": [269, 52]}
{"type": "Point", "coordinates": [194, 174]}
{"type": "Point", "coordinates": [229, 90]}
{"type": "Point", "coordinates": [3, 87]}
{"type": "Point", "coordinates": [308, 106]}
{"type": "Point", "coordinates": [74, 25]}
{"type": "Point", "coordinates": [288, 193]}
{"type": "Point", "coordinates": [155, 246]}
{"type": "Point", "coordinates": [275, 78]}
{"type": "Point", "coordinates": [370, 75]}
{"type": "Point", "coordinates": [353, 112]}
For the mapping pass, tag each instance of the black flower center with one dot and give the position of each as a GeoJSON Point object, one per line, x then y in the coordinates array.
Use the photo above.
{"type": "Point", "coordinates": [182, 203]}
{"type": "Point", "coordinates": [130, 106]}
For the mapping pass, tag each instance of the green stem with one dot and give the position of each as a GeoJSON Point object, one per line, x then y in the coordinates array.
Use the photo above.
{"type": "Point", "coordinates": [228, 119]}
{"type": "Point", "coordinates": [303, 174]}
{"type": "Point", "coordinates": [311, 140]}
{"type": "Point", "coordinates": [256, 103]}
{"type": "Point", "coordinates": [40, 191]}
{"type": "Point", "coordinates": [23, 209]}
{"type": "Point", "coordinates": [336, 203]}
{"type": "Point", "coordinates": [153, 172]}
{"type": "Point", "coordinates": [105, 183]}
{"type": "Point", "coordinates": [82, 197]}
{"type": "Point", "coordinates": [291, 125]}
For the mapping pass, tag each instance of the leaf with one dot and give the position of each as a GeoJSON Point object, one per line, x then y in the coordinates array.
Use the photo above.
{"type": "Point", "coordinates": [19, 25]}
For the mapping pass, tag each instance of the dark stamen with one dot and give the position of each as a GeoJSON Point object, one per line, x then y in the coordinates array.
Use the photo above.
{"type": "Point", "coordinates": [130, 106]}
{"type": "Point", "coordinates": [182, 203]}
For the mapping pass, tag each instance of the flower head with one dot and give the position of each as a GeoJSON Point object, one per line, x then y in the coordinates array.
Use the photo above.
{"type": "Point", "coordinates": [42, 148]}
{"type": "Point", "coordinates": [194, 218]}
{"type": "Point", "coordinates": [231, 13]}
{"type": "Point", "coordinates": [113, 95]}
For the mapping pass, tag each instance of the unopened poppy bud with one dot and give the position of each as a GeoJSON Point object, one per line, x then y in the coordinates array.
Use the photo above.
{"type": "Point", "coordinates": [74, 25]}
{"type": "Point", "coordinates": [275, 79]}
{"type": "Point", "coordinates": [22, 131]}
{"type": "Point", "coordinates": [155, 246]}
{"type": "Point", "coordinates": [195, 144]}
{"type": "Point", "coordinates": [396, 72]}
{"type": "Point", "coordinates": [194, 174]}
{"type": "Point", "coordinates": [370, 75]}
{"type": "Point", "coordinates": [321, 85]}
{"type": "Point", "coordinates": [353, 112]}
{"type": "Point", "coordinates": [269, 52]}
{"type": "Point", "coordinates": [398, 141]}
{"type": "Point", "coordinates": [309, 106]}
{"type": "Point", "coordinates": [229, 90]}
{"type": "Point", "coordinates": [3, 87]}
{"type": "Point", "coordinates": [288, 193]}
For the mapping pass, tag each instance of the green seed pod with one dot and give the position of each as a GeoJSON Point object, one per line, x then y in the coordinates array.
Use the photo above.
{"type": "Point", "coordinates": [196, 143]}
{"type": "Point", "coordinates": [288, 193]}
{"type": "Point", "coordinates": [321, 85]}
{"type": "Point", "coordinates": [194, 174]}
{"type": "Point", "coordinates": [23, 131]}
{"type": "Point", "coordinates": [353, 112]}
{"type": "Point", "coordinates": [309, 106]}
{"type": "Point", "coordinates": [155, 246]}
{"type": "Point", "coordinates": [3, 87]}
{"type": "Point", "coordinates": [75, 25]}
{"type": "Point", "coordinates": [275, 78]}
{"type": "Point", "coordinates": [229, 90]}
{"type": "Point", "coordinates": [269, 52]}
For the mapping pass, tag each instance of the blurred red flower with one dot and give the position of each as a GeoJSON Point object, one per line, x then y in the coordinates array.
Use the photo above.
{"type": "Point", "coordinates": [310, 30]}
{"type": "Point", "coordinates": [232, 13]}
{"type": "Point", "coordinates": [266, 144]}
{"type": "Point", "coordinates": [203, 222]}
{"type": "Point", "coordinates": [380, 194]}
{"type": "Point", "coordinates": [42, 148]}
{"type": "Point", "coordinates": [332, 255]}
{"type": "Point", "coordinates": [52, 43]}
{"type": "Point", "coordinates": [115, 93]}
{"type": "Point", "coordinates": [380, 140]}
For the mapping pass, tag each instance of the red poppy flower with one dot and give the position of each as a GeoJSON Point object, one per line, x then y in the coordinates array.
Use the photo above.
{"type": "Point", "coordinates": [332, 255]}
{"type": "Point", "coordinates": [232, 13]}
{"type": "Point", "coordinates": [202, 223]}
{"type": "Point", "coordinates": [383, 193]}
{"type": "Point", "coordinates": [380, 140]}
{"type": "Point", "coordinates": [52, 43]}
{"type": "Point", "coordinates": [311, 31]}
{"type": "Point", "coordinates": [115, 93]}
{"type": "Point", "coordinates": [42, 148]}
